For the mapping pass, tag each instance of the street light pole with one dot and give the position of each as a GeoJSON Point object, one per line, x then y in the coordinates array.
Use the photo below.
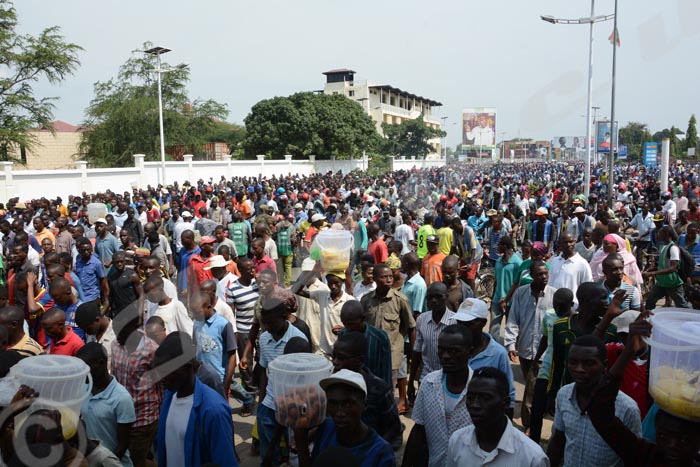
{"type": "Point", "coordinates": [160, 121]}
{"type": "Point", "coordinates": [613, 139]}
{"type": "Point", "coordinates": [589, 123]}
{"type": "Point", "coordinates": [157, 52]}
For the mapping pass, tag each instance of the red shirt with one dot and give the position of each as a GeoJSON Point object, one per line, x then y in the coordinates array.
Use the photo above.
{"type": "Point", "coordinates": [265, 263]}
{"type": "Point", "coordinates": [634, 381]}
{"type": "Point", "coordinates": [379, 250]}
{"type": "Point", "coordinates": [69, 345]}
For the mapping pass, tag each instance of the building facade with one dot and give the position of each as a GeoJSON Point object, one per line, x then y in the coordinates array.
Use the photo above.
{"type": "Point", "coordinates": [382, 102]}
{"type": "Point", "coordinates": [57, 150]}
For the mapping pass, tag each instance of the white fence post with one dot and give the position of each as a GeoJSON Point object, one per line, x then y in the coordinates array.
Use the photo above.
{"type": "Point", "coordinates": [288, 158]}
{"type": "Point", "coordinates": [188, 159]}
{"type": "Point", "coordinates": [138, 165]}
{"type": "Point", "coordinates": [8, 185]}
{"type": "Point", "coordinates": [227, 158]}
{"type": "Point", "coordinates": [82, 167]}
{"type": "Point", "coordinates": [261, 161]}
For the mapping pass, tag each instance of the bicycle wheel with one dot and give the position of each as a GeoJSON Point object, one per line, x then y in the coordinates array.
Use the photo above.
{"type": "Point", "coordinates": [488, 282]}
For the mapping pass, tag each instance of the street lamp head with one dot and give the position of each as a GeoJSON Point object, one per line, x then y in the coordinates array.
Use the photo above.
{"type": "Point", "coordinates": [157, 51]}
{"type": "Point", "coordinates": [548, 18]}
{"type": "Point", "coordinates": [182, 66]}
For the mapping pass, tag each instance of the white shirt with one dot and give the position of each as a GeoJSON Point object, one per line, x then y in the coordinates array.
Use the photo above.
{"type": "Point", "coordinates": [482, 136]}
{"type": "Point", "coordinates": [177, 232]}
{"type": "Point", "coordinates": [670, 208]}
{"type": "Point", "coordinates": [175, 317]}
{"type": "Point", "coordinates": [329, 313]}
{"type": "Point", "coordinates": [169, 289]}
{"type": "Point", "coordinates": [222, 308]}
{"type": "Point", "coordinates": [644, 224]}
{"type": "Point", "coordinates": [176, 427]}
{"type": "Point", "coordinates": [106, 340]}
{"type": "Point", "coordinates": [569, 273]}
{"type": "Point", "coordinates": [404, 234]}
{"type": "Point", "coordinates": [513, 450]}
{"type": "Point", "coordinates": [359, 290]}
{"type": "Point", "coordinates": [224, 284]}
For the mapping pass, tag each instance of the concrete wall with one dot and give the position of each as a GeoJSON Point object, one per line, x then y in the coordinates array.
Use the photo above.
{"type": "Point", "coordinates": [33, 184]}
{"type": "Point", "coordinates": [401, 163]}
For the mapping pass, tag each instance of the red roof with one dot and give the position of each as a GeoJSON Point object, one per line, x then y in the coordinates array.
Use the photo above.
{"type": "Point", "coordinates": [63, 127]}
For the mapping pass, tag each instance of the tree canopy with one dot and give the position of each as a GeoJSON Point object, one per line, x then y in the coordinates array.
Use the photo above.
{"type": "Point", "coordinates": [634, 135]}
{"type": "Point", "coordinates": [309, 123]}
{"type": "Point", "coordinates": [410, 138]}
{"type": "Point", "coordinates": [122, 118]}
{"type": "Point", "coordinates": [691, 134]}
{"type": "Point", "coordinates": [27, 59]}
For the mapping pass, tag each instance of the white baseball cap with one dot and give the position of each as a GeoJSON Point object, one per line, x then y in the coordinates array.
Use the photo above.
{"type": "Point", "coordinates": [471, 309]}
{"type": "Point", "coordinates": [101, 220]}
{"type": "Point", "coordinates": [579, 210]}
{"type": "Point", "coordinates": [217, 261]}
{"type": "Point", "coordinates": [317, 217]}
{"type": "Point", "coordinates": [185, 214]}
{"type": "Point", "coordinates": [347, 377]}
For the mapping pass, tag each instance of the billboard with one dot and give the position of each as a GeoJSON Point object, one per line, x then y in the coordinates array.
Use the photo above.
{"type": "Point", "coordinates": [479, 128]}
{"type": "Point", "coordinates": [569, 142]}
{"type": "Point", "coordinates": [651, 154]}
{"type": "Point", "coordinates": [603, 136]}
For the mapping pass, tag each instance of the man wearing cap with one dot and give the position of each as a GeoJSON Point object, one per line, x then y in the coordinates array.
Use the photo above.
{"type": "Point", "coordinates": [286, 239]}
{"type": "Point", "coordinates": [473, 314]}
{"type": "Point", "coordinates": [180, 227]}
{"type": "Point", "coordinates": [431, 269]}
{"type": "Point", "coordinates": [346, 392]}
{"type": "Point", "coordinates": [299, 214]}
{"type": "Point", "coordinates": [584, 221]}
{"type": "Point", "coordinates": [317, 223]}
{"type": "Point", "coordinates": [106, 244]}
{"type": "Point", "coordinates": [542, 228]}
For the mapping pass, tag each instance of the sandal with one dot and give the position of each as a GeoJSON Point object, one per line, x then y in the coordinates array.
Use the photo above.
{"type": "Point", "coordinates": [246, 411]}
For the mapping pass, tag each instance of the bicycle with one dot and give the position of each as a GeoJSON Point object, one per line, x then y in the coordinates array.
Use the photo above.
{"type": "Point", "coordinates": [485, 281]}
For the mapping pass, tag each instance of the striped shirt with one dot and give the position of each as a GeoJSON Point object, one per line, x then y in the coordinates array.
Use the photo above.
{"type": "Point", "coordinates": [242, 299]}
{"type": "Point", "coordinates": [633, 299]}
{"type": "Point", "coordinates": [427, 333]}
{"type": "Point", "coordinates": [378, 359]}
{"type": "Point", "coordinates": [270, 349]}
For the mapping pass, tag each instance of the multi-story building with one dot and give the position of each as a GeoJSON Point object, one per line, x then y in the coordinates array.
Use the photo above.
{"type": "Point", "coordinates": [383, 103]}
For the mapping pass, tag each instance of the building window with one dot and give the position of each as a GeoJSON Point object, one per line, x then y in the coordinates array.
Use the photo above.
{"type": "Point", "coordinates": [351, 93]}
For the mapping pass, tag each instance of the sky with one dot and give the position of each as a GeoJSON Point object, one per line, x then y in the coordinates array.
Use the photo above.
{"type": "Point", "coordinates": [463, 53]}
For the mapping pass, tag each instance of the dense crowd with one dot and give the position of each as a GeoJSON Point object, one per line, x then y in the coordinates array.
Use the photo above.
{"type": "Point", "coordinates": [179, 298]}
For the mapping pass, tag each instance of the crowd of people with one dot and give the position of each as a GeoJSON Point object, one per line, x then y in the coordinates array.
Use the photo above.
{"type": "Point", "coordinates": [178, 298]}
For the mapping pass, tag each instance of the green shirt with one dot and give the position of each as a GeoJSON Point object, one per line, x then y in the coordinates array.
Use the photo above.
{"type": "Point", "coordinates": [238, 231]}
{"type": "Point", "coordinates": [423, 233]}
{"type": "Point", "coordinates": [669, 281]}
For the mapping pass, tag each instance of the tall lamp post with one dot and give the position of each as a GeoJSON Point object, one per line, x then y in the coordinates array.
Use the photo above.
{"type": "Point", "coordinates": [157, 52]}
{"type": "Point", "coordinates": [613, 139]}
{"type": "Point", "coordinates": [591, 20]}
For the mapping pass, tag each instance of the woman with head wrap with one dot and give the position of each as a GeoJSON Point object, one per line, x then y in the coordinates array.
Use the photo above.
{"type": "Point", "coordinates": [613, 243]}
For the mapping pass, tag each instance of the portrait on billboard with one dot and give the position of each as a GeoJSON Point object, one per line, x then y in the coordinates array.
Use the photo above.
{"type": "Point", "coordinates": [479, 128]}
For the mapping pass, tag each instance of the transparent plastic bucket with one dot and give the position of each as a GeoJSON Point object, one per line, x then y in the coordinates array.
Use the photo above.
{"type": "Point", "coordinates": [62, 382]}
{"type": "Point", "coordinates": [96, 211]}
{"type": "Point", "coordinates": [674, 365]}
{"type": "Point", "coordinates": [335, 248]}
{"type": "Point", "coordinates": [299, 400]}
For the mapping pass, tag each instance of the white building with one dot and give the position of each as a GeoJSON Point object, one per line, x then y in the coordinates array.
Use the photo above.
{"type": "Point", "coordinates": [383, 103]}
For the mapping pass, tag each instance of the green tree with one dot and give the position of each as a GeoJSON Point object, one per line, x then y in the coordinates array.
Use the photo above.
{"type": "Point", "coordinates": [123, 115]}
{"type": "Point", "coordinates": [25, 60]}
{"type": "Point", "coordinates": [309, 123]}
{"type": "Point", "coordinates": [410, 138]}
{"type": "Point", "coordinates": [634, 135]}
{"type": "Point", "coordinates": [691, 135]}
{"type": "Point", "coordinates": [672, 134]}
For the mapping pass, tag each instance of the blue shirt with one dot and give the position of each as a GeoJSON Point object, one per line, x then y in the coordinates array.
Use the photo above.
{"type": "Point", "coordinates": [215, 341]}
{"type": "Point", "coordinates": [270, 349]}
{"type": "Point", "coordinates": [104, 411]}
{"type": "Point", "coordinates": [209, 434]}
{"type": "Point", "coordinates": [90, 274]}
{"type": "Point", "coordinates": [373, 451]}
{"type": "Point", "coordinates": [415, 290]}
{"type": "Point", "coordinates": [183, 260]}
{"type": "Point", "coordinates": [70, 317]}
{"type": "Point", "coordinates": [693, 249]}
{"type": "Point", "coordinates": [106, 247]}
{"type": "Point", "coordinates": [496, 356]}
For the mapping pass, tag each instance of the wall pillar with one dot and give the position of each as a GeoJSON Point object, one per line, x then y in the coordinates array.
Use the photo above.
{"type": "Point", "coordinates": [82, 167]}
{"type": "Point", "coordinates": [188, 158]}
{"type": "Point", "coordinates": [312, 159]}
{"type": "Point", "coordinates": [139, 160]}
{"type": "Point", "coordinates": [261, 162]}
{"type": "Point", "coordinates": [7, 185]}
{"type": "Point", "coordinates": [288, 158]}
{"type": "Point", "coordinates": [227, 159]}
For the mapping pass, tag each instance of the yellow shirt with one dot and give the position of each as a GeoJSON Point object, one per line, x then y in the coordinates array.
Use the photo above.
{"type": "Point", "coordinates": [445, 235]}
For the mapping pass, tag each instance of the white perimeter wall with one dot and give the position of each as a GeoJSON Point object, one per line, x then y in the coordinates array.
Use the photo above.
{"type": "Point", "coordinates": [33, 184]}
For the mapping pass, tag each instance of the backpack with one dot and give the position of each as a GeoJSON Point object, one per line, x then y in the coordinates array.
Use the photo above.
{"type": "Point", "coordinates": [686, 265]}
